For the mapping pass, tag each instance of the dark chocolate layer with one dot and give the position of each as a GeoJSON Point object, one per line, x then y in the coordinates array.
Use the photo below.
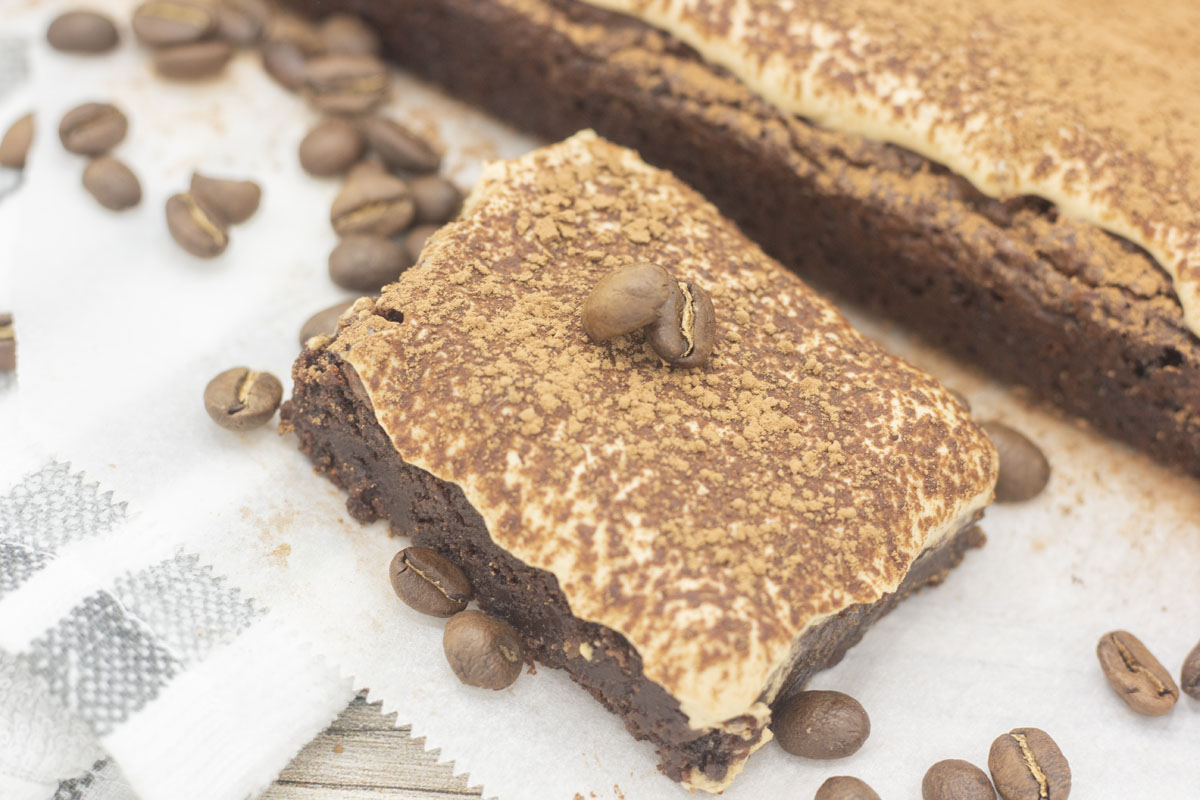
{"type": "Point", "coordinates": [1085, 319]}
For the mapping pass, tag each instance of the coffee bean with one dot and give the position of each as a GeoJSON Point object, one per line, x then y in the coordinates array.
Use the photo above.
{"type": "Point", "coordinates": [112, 183]}
{"type": "Point", "coordinates": [92, 129]}
{"type": "Point", "coordinates": [955, 779]}
{"type": "Point", "coordinates": [429, 582]}
{"type": "Point", "coordinates": [1026, 764]}
{"type": "Point", "coordinates": [164, 22]}
{"type": "Point", "coordinates": [372, 203]}
{"type": "Point", "coordinates": [399, 147]}
{"type": "Point", "coordinates": [331, 147]}
{"type": "Point", "coordinates": [844, 787]}
{"type": "Point", "coordinates": [242, 22]}
{"type": "Point", "coordinates": [483, 651]}
{"type": "Point", "coordinates": [324, 321]}
{"type": "Point", "coordinates": [1135, 674]}
{"type": "Point", "coordinates": [345, 84]}
{"type": "Point", "coordinates": [284, 62]}
{"type": "Point", "coordinates": [241, 398]}
{"type": "Point", "coordinates": [196, 230]}
{"type": "Point", "coordinates": [343, 33]}
{"type": "Point", "coordinates": [82, 32]}
{"type": "Point", "coordinates": [820, 724]}
{"type": "Point", "coordinates": [684, 332]}
{"type": "Point", "coordinates": [1189, 676]}
{"type": "Point", "coordinates": [231, 201]}
{"type": "Point", "coordinates": [368, 166]}
{"type": "Point", "coordinates": [14, 147]}
{"type": "Point", "coordinates": [414, 240]}
{"type": "Point", "coordinates": [192, 61]}
{"type": "Point", "coordinates": [365, 263]}
{"type": "Point", "coordinates": [626, 300]}
{"type": "Point", "coordinates": [1024, 470]}
{"type": "Point", "coordinates": [298, 31]}
{"type": "Point", "coordinates": [437, 199]}
{"type": "Point", "coordinates": [8, 344]}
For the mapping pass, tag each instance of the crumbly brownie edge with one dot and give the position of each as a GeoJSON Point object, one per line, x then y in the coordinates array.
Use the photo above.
{"type": "Point", "coordinates": [338, 432]}
{"type": "Point", "coordinates": [1085, 320]}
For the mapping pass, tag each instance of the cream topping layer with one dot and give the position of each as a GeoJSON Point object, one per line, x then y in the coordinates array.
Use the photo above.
{"type": "Point", "coordinates": [710, 516]}
{"type": "Point", "coordinates": [1091, 104]}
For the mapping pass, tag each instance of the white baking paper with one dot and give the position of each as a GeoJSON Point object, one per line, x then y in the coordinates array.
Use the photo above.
{"type": "Point", "coordinates": [120, 330]}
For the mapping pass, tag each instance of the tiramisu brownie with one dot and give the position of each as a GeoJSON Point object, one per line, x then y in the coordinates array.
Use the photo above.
{"type": "Point", "coordinates": [897, 153]}
{"type": "Point", "coordinates": [686, 542]}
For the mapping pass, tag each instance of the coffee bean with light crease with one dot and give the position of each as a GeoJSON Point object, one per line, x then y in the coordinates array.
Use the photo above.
{"type": "Point", "coordinates": [14, 147]}
{"type": "Point", "coordinates": [482, 650]}
{"type": "Point", "coordinates": [1024, 470]}
{"type": "Point", "coordinates": [284, 27]}
{"type": "Point", "coordinates": [1026, 764]}
{"type": "Point", "coordinates": [955, 779]}
{"type": "Point", "coordinates": [112, 183]}
{"type": "Point", "coordinates": [241, 398]}
{"type": "Point", "coordinates": [159, 23]}
{"type": "Point", "coordinates": [242, 22]}
{"type": "Point", "coordinates": [845, 787]}
{"type": "Point", "coordinates": [92, 129]}
{"type": "Point", "coordinates": [82, 32]}
{"type": "Point", "coordinates": [331, 147]}
{"type": "Point", "coordinates": [233, 201]}
{"type": "Point", "coordinates": [345, 84]}
{"type": "Point", "coordinates": [372, 202]}
{"type": "Point", "coordinates": [365, 263]}
{"type": "Point", "coordinates": [8, 343]}
{"type": "Point", "coordinates": [1135, 674]}
{"type": "Point", "coordinates": [284, 62]}
{"type": "Point", "coordinates": [429, 582]}
{"type": "Point", "coordinates": [192, 61]}
{"type": "Point", "coordinates": [685, 330]}
{"type": "Point", "coordinates": [400, 148]}
{"type": "Point", "coordinates": [195, 228]}
{"type": "Point", "coordinates": [820, 724]}
{"type": "Point", "coordinates": [437, 199]}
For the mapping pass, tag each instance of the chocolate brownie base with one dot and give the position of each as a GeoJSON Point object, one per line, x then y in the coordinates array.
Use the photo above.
{"type": "Point", "coordinates": [1085, 319]}
{"type": "Point", "coordinates": [338, 431]}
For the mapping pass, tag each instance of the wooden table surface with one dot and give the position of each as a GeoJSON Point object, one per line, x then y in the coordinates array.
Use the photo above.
{"type": "Point", "coordinates": [363, 756]}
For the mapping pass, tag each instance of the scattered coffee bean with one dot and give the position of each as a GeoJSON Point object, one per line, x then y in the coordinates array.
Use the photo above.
{"type": "Point", "coordinates": [626, 300]}
{"type": "Point", "coordinates": [1135, 674]}
{"type": "Point", "coordinates": [1026, 764]}
{"type": "Point", "coordinates": [284, 62]}
{"type": "Point", "coordinates": [8, 344]}
{"type": "Point", "coordinates": [372, 203]}
{"type": "Point", "coordinates": [429, 582]}
{"type": "Point", "coordinates": [820, 724]}
{"type": "Point", "coordinates": [365, 263]}
{"type": "Point", "coordinates": [399, 147]}
{"type": "Point", "coordinates": [844, 787]}
{"type": "Point", "coordinates": [368, 166]}
{"type": "Point", "coordinates": [345, 84]}
{"type": "Point", "coordinates": [196, 230]}
{"type": "Point", "coordinates": [165, 22]}
{"type": "Point", "coordinates": [1024, 470]}
{"type": "Point", "coordinates": [414, 240]}
{"type": "Point", "coordinates": [14, 147]}
{"type": "Point", "coordinates": [331, 147]}
{"type": "Point", "coordinates": [1189, 676]}
{"type": "Point", "coordinates": [112, 183]}
{"type": "Point", "coordinates": [324, 321]}
{"type": "Point", "coordinates": [82, 32]}
{"type": "Point", "coordinates": [685, 329]}
{"type": "Point", "coordinates": [298, 31]}
{"type": "Point", "coordinates": [241, 398]}
{"type": "Point", "coordinates": [344, 33]}
{"type": "Point", "coordinates": [92, 129]}
{"type": "Point", "coordinates": [242, 22]}
{"type": "Point", "coordinates": [231, 201]}
{"type": "Point", "coordinates": [955, 779]}
{"type": "Point", "coordinates": [192, 61]}
{"type": "Point", "coordinates": [437, 199]}
{"type": "Point", "coordinates": [483, 651]}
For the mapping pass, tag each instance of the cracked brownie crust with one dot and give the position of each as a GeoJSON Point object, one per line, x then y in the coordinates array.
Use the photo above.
{"type": "Point", "coordinates": [1084, 318]}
